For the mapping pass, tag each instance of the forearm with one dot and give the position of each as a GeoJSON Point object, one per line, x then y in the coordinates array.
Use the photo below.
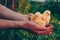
{"type": "Point", "coordinates": [10, 24]}
{"type": "Point", "coordinates": [7, 13]}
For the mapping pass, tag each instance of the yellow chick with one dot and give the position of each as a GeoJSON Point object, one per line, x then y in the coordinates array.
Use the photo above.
{"type": "Point", "coordinates": [37, 14]}
{"type": "Point", "coordinates": [32, 17]}
{"type": "Point", "coordinates": [39, 20]}
{"type": "Point", "coordinates": [46, 16]}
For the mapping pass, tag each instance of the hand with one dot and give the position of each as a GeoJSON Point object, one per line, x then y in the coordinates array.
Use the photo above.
{"type": "Point", "coordinates": [37, 29]}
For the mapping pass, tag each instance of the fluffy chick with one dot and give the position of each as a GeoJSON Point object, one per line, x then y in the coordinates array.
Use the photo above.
{"type": "Point", "coordinates": [46, 16]}
{"type": "Point", "coordinates": [37, 14]}
{"type": "Point", "coordinates": [39, 20]}
{"type": "Point", "coordinates": [32, 17]}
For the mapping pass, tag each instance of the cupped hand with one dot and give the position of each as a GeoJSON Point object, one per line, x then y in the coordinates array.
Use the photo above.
{"type": "Point", "coordinates": [38, 29]}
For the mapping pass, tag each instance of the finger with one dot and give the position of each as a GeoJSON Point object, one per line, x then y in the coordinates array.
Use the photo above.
{"type": "Point", "coordinates": [51, 26]}
{"type": "Point", "coordinates": [40, 28]}
{"type": "Point", "coordinates": [51, 30]}
{"type": "Point", "coordinates": [48, 33]}
{"type": "Point", "coordinates": [39, 32]}
{"type": "Point", "coordinates": [36, 27]}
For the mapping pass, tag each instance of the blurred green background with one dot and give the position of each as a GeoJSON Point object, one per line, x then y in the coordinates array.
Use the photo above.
{"type": "Point", "coordinates": [32, 6]}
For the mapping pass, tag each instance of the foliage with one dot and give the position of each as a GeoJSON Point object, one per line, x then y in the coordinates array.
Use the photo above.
{"type": "Point", "coordinates": [27, 6]}
{"type": "Point", "coordinates": [23, 6]}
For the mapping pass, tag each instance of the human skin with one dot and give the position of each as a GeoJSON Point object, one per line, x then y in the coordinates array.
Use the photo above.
{"type": "Point", "coordinates": [19, 21]}
{"type": "Point", "coordinates": [7, 13]}
{"type": "Point", "coordinates": [25, 25]}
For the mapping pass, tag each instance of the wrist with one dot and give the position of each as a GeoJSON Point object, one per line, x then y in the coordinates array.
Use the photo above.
{"type": "Point", "coordinates": [21, 24]}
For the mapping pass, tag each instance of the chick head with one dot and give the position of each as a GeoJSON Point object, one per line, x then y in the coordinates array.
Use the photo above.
{"type": "Point", "coordinates": [47, 13]}
{"type": "Point", "coordinates": [37, 14]}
